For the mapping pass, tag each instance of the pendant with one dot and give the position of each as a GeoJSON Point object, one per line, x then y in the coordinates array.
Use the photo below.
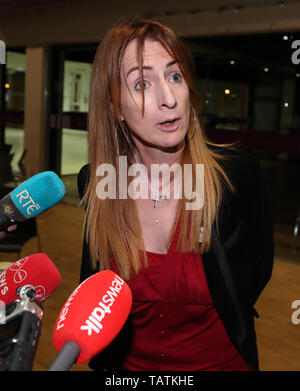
{"type": "Point", "coordinates": [156, 206]}
{"type": "Point", "coordinates": [156, 201]}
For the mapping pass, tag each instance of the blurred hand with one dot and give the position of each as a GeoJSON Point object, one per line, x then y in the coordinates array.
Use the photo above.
{"type": "Point", "coordinates": [9, 229]}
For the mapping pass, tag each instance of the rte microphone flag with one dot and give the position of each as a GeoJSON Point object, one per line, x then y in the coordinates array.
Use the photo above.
{"type": "Point", "coordinates": [31, 198]}
{"type": "Point", "coordinates": [91, 318]}
{"type": "Point", "coordinates": [36, 271]}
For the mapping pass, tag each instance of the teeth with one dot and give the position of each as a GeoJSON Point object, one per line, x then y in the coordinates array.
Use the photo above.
{"type": "Point", "coordinates": [168, 122]}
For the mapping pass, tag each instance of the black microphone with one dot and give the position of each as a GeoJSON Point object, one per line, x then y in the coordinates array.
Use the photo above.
{"type": "Point", "coordinates": [30, 198]}
{"type": "Point", "coordinates": [20, 330]}
{"type": "Point", "coordinates": [23, 286]}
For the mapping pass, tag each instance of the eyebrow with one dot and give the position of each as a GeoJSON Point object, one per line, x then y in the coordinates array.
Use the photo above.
{"type": "Point", "coordinates": [149, 68]}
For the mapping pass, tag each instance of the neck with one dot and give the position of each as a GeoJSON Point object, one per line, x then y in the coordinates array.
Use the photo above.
{"type": "Point", "coordinates": [148, 156]}
{"type": "Point", "coordinates": [163, 185]}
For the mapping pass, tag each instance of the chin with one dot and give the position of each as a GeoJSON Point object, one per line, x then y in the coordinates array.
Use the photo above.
{"type": "Point", "coordinates": [171, 142]}
{"type": "Point", "coordinates": [172, 138]}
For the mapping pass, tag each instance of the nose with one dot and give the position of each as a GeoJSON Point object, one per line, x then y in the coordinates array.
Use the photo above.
{"type": "Point", "coordinates": [167, 97]}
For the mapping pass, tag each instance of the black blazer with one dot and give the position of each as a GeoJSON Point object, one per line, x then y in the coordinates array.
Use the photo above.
{"type": "Point", "coordinates": [237, 266]}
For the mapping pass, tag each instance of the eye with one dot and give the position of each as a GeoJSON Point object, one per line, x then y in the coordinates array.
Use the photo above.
{"type": "Point", "coordinates": [176, 77]}
{"type": "Point", "coordinates": [138, 85]}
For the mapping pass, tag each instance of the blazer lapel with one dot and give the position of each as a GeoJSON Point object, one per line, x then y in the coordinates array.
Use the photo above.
{"type": "Point", "coordinates": [223, 291]}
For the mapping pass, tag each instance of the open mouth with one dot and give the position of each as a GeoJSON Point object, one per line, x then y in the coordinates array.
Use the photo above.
{"type": "Point", "coordinates": [168, 122]}
{"type": "Point", "coordinates": [169, 125]}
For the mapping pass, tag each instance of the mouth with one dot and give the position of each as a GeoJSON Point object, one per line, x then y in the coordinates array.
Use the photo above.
{"type": "Point", "coordinates": [168, 121]}
{"type": "Point", "coordinates": [169, 124]}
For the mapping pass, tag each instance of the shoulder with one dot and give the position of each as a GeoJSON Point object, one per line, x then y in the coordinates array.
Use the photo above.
{"type": "Point", "coordinates": [83, 179]}
{"type": "Point", "coordinates": [242, 168]}
{"type": "Point", "coordinates": [235, 161]}
{"type": "Point", "coordinates": [241, 204]}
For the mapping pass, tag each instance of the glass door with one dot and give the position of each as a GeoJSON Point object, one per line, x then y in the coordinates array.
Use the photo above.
{"type": "Point", "coordinates": [12, 89]}
{"type": "Point", "coordinates": [68, 113]}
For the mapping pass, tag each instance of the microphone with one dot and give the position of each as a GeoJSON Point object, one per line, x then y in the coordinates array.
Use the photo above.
{"type": "Point", "coordinates": [20, 330]}
{"type": "Point", "coordinates": [30, 198]}
{"type": "Point", "coordinates": [91, 318]}
{"type": "Point", "coordinates": [31, 278]}
{"type": "Point", "coordinates": [34, 276]}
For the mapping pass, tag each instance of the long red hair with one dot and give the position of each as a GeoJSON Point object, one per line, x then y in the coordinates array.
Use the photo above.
{"type": "Point", "coordinates": [112, 226]}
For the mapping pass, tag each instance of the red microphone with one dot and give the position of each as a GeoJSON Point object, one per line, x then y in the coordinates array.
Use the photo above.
{"type": "Point", "coordinates": [36, 272]}
{"type": "Point", "coordinates": [90, 319]}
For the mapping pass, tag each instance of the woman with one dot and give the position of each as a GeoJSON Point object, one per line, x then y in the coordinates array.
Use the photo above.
{"type": "Point", "coordinates": [195, 275]}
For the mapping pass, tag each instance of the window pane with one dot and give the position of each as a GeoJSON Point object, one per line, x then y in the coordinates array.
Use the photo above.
{"type": "Point", "coordinates": [77, 76]}
{"type": "Point", "coordinates": [74, 151]}
{"type": "Point", "coordinates": [15, 138]}
{"type": "Point", "coordinates": [15, 81]}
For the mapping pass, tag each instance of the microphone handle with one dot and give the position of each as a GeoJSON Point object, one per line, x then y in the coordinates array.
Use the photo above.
{"type": "Point", "coordinates": [9, 212]}
{"type": "Point", "coordinates": [5, 222]}
{"type": "Point", "coordinates": [66, 357]}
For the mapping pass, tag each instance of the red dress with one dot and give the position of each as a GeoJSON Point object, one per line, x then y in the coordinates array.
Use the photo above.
{"type": "Point", "coordinates": [175, 324]}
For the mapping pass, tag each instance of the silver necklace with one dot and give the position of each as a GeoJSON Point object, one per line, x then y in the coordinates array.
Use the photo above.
{"type": "Point", "coordinates": [157, 198]}
{"type": "Point", "coordinates": [156, 201]}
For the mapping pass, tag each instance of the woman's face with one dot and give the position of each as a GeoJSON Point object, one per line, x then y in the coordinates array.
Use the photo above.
{"type": "Point", "coordinates": [167, 99]}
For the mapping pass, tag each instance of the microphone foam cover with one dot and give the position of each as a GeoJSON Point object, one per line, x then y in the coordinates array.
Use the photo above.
{"type": "Point", "coordinates": [37, 270]}
{"type": "Point", "coordinates": [94, 314]}
{"type": "Point", "coordinates": [38, 193]}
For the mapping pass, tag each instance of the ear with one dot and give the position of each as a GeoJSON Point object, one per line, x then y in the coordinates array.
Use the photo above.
{"type": "Point", "coordinates": [114, 114]}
